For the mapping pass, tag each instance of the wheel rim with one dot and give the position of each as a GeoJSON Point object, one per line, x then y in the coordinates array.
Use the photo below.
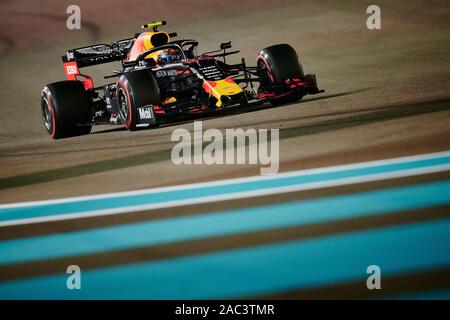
{"type": "Point", "coordinates": [123, 104]}
{"type": "Point", "coordinates": [47, 115]}
{"type": "Point", "coordinates": [266, 73]}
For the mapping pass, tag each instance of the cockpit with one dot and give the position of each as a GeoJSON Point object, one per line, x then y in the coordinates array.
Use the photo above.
{"type": "Point", "coordinates": [157, 48]}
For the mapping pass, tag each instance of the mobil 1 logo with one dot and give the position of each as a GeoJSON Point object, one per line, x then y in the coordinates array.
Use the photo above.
{"type": "Point", "coordinates": [146, 115]}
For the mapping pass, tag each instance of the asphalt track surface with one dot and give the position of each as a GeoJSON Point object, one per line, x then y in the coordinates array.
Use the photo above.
{"type": "Point", "coordinates": [310, 232]}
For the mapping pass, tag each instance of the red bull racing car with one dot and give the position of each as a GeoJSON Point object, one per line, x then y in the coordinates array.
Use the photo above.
{"type": "Point", "coordinates": [162, 78]}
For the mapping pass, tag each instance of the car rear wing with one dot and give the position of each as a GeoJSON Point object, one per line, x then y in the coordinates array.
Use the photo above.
{"type": "Point", "coordinates": [98, 53]}
{"type": "Point", "coordinates": [75, 59]}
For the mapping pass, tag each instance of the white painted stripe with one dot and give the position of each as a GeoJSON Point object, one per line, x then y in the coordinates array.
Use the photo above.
{"type": "Point", "coordinates": [238, 195]}
{"type": "Point", "coordinates": [224, 182]}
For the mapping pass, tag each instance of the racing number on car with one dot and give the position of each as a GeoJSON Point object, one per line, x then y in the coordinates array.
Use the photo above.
{"type": "Point", "coordinates": [71, 69]}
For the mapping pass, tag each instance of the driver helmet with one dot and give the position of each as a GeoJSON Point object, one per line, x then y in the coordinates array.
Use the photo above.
{"type": "Point", "coordinates": [168, 56]}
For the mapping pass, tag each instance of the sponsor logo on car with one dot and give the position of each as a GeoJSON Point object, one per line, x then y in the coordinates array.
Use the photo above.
{"type": "Point", "coordinates": [166, 73]}
{"type": "Point", "coordinates": [169, 100]}
{"type": "Point", "coordinates": [146, 113]}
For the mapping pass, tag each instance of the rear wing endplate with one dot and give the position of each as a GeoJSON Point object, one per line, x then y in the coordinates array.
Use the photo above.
{"type": "Point", "coordinates": [75, 59]}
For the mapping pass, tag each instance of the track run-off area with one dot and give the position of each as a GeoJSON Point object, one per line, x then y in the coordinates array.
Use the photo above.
{"type": "Point", "coordinates": [222, 244]}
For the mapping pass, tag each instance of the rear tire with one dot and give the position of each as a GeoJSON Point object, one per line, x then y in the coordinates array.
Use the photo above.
{"type": "Point", "coordinates": [65, 107]}
{"type": "Point", "coordinates": [134, 90]}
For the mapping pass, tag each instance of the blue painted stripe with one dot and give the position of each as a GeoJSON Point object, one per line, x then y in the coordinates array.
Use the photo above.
{"type": "Point", "coordinates": [225, 223]}
{"type": "Point", "coordinates": [42, 210]}
{"type": "Point", "coordinates": [436, 294]}
{"type": "Point", "coordinates": [257, 270]}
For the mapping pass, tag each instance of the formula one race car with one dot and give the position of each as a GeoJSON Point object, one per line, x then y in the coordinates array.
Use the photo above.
{"type": "Point", "coordinates": [162, 78]}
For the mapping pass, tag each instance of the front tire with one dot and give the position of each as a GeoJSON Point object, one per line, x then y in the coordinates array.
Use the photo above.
{"type": "Point", "coordinates": [65, 107]}
{"type": "Point", "coordinates": [279, 63]}
{"type": "Point", "coordinates": [134, 90]}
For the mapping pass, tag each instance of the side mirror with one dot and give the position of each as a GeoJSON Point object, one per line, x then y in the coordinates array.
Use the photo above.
{"type": "Point", "coordinates": [225, 45]}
